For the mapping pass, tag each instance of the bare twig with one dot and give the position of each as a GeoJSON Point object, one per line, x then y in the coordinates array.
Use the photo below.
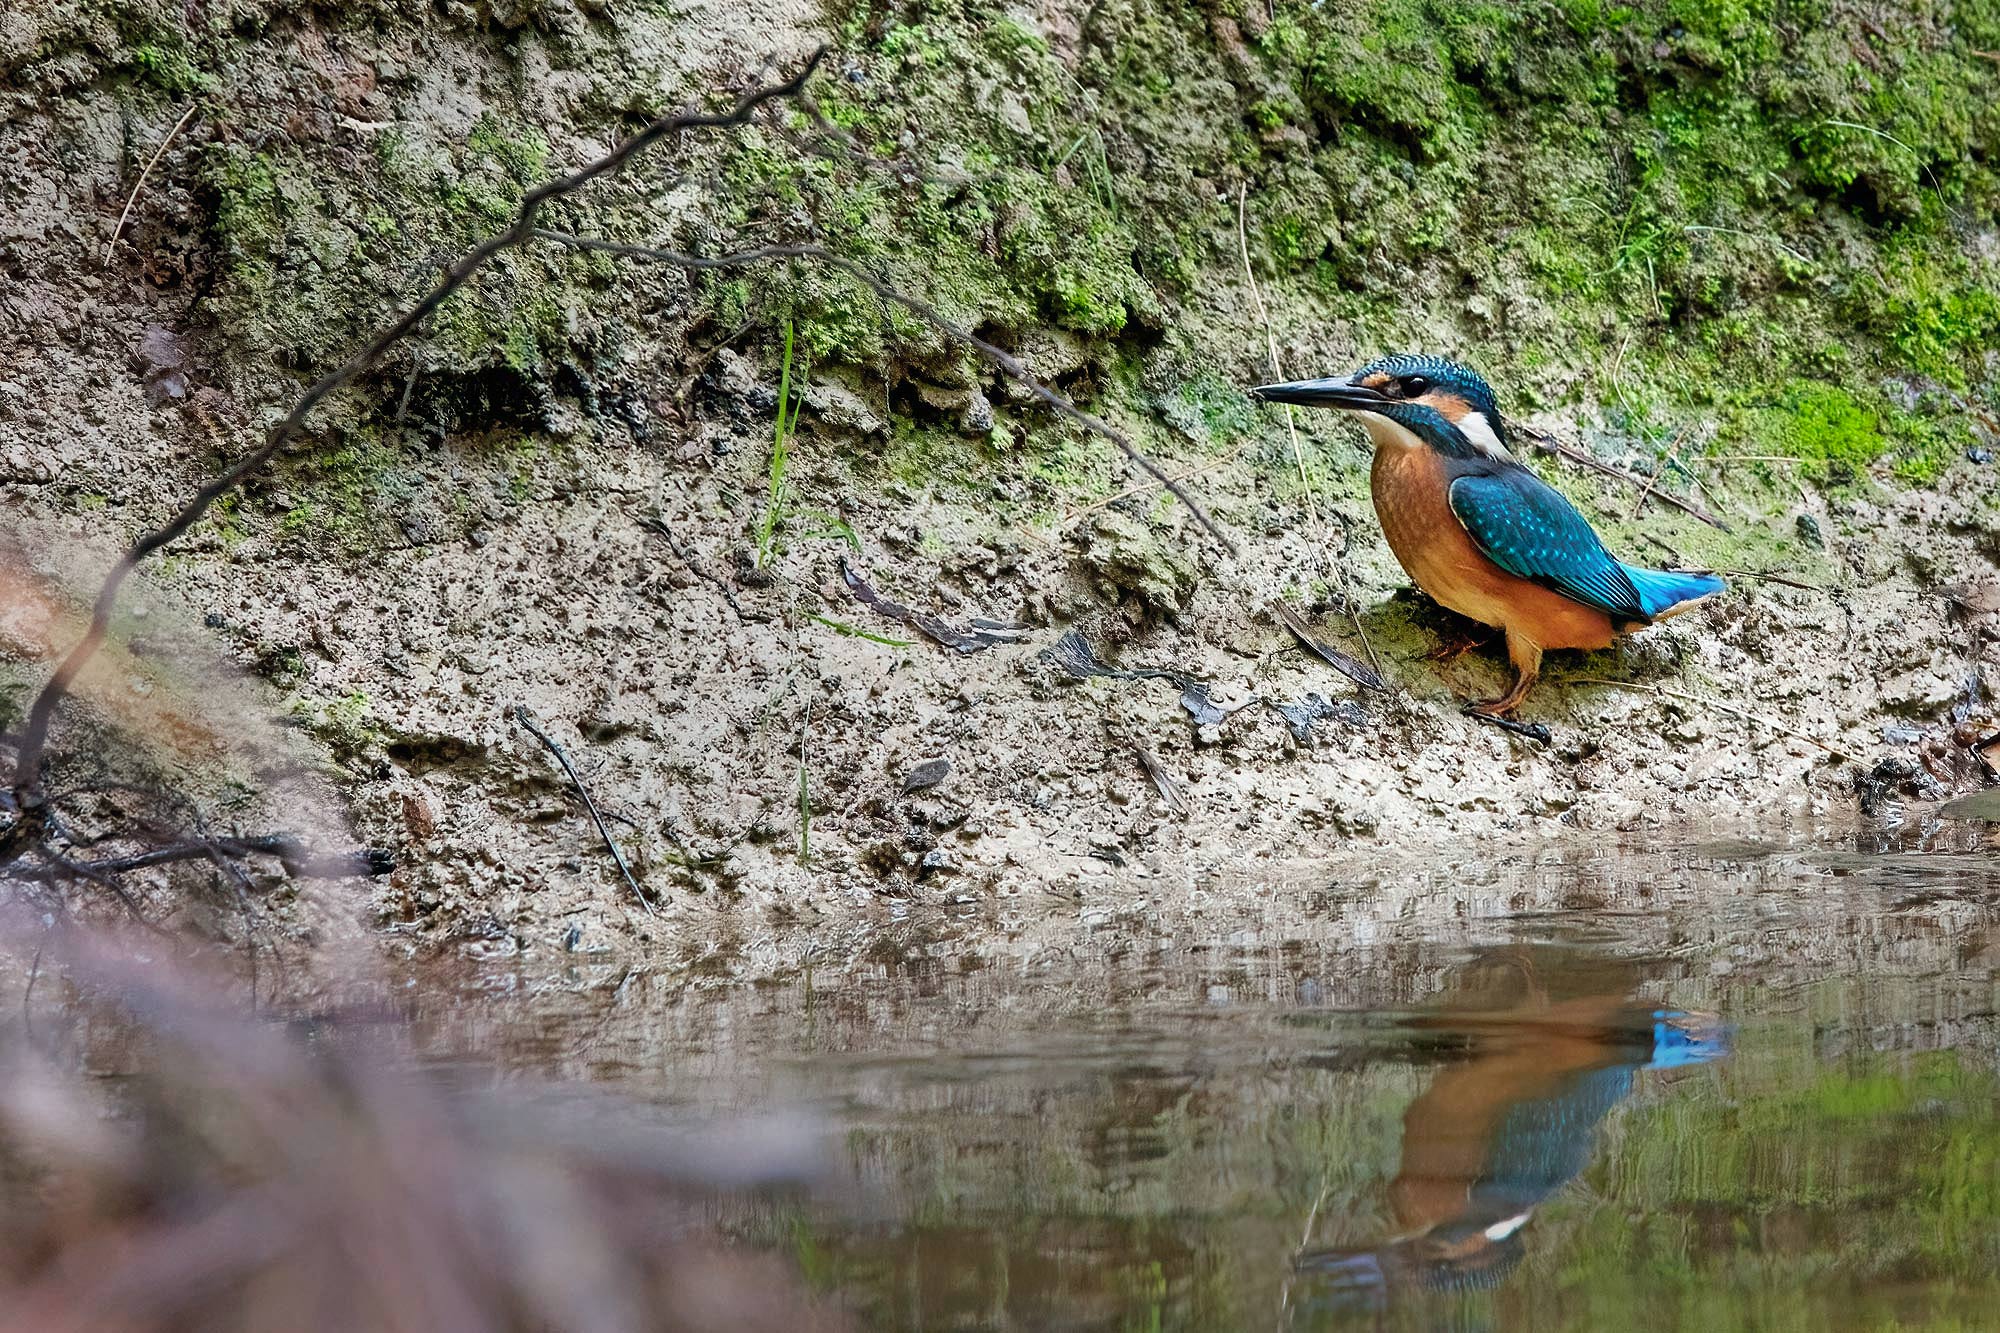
{"type": "Point", "coordinates": [28, 993]}
{"type": "Point", "coordinates": [111, 245]}
{"type": "Point", "coordinates": [805, 786]}
{"type": "Point", "coordinates": [656, 522]}
{"type": "Point", "coordinates": [1548, 443]}
{"type": "Point", "coordinates": [929, 314]}
{"type": "Point", "coordinates": [1673, 459]}
{"type": "Point", "coordinates": [527, 719]}
{"type": "Point", "coordinates": [1761, 577]}
{"type": "Point", "coordinates": [1357, 672]}
{"type": "Point", "coordinates": [1748, 716]}
{"type": "Point", "coordinates": [199, 850]}
{"type": "Point", "coordinates": [28, 791]}
{"type": "Point", "coordinates": [1076, 516]}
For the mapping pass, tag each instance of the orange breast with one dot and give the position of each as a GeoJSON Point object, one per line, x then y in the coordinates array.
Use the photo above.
{"type": "Point", "coordinates": [1411, 501]}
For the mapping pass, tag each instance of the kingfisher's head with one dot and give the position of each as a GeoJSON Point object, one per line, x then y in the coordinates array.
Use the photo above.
{"type": "Point", "coordinates": [1423, 401]}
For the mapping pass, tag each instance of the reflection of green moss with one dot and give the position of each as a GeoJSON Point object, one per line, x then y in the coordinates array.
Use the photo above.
{"type": "Point", "coordinates": [1777, 1189]}
{"type": "Point", "coordinates": [1901, 1146]}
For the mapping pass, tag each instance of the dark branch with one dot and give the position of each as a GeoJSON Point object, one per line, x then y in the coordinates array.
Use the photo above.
{"type": "Point", "coordinates": [287, 848]}
{"type": "Point", "coordinates": [527, 720]}
{"type": "Point", "coordinates": [1548, 443]}
{"type": "Point", "coordinates": [1006, 362]}
{"type": "Point", "coordinates": [35, 732]}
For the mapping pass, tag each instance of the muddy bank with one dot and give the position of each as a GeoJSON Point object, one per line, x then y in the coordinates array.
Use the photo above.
{"type": "Point", "coordinates": [563, 498]}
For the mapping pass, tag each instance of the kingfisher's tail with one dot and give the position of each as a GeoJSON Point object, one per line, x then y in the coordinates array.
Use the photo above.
{"type": "Point", "coordinates": [1666, 592]}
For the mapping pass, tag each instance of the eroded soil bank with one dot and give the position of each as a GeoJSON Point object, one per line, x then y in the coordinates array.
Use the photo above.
{"type": "Point", "coordinates": [1650, 231]}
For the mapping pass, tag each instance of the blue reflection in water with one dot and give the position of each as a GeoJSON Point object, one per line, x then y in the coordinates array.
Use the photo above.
{"type": "Point", "coordinates": [1496, 1134]}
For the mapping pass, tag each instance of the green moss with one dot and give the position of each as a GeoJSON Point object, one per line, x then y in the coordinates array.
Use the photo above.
{"type": "Point", "coordinates": [1824, 425]}
{"type": "Point", "coordinates": [345, 725]}
{"type": "Point", "coordinates": [1209, 410]}
{"type": "Point", "coordinates": [170, 67]}
{"type": "Point", "coordinates": [1927, 444]}
{"type": "Point", "coordinates": [227, 516]}
{"type": "Point", "coordinates": [310, 259]}
{"type": "Point", "coordinates": [1665, 207]}
{"type": "Point", "coordinates": [1938, 325]}
{"type": "Point", "coordinates": [345, 495]}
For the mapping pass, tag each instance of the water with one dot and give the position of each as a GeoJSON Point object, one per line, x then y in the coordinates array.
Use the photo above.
{"type": "Point", "coordinates": [1725, 1086]}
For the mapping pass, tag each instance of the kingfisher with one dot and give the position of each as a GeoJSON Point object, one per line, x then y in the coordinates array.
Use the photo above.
{"type": "Point", "coordinates": [1501, 1131]}
{"type": "Point", "coordinates": [1478, 531]}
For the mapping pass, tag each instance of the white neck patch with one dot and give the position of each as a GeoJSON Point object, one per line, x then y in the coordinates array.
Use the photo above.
{"type": "Point", "coordinates": [1479, 432]}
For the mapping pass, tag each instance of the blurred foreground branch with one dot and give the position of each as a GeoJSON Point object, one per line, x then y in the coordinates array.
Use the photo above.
{"type": "Point", "coordinates": [282, 1178]}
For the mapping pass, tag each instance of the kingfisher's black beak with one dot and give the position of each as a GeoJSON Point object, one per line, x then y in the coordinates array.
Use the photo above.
{"type": "Point", "coordinates": [1343, 393]}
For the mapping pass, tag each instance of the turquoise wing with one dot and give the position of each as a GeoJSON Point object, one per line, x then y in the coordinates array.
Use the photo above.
{"type": "Point", "coordinates": [1528, 529]}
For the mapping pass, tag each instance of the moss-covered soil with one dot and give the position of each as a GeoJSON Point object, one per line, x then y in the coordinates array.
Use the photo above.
{"type": "Point", "coordinates": [1748, 254]}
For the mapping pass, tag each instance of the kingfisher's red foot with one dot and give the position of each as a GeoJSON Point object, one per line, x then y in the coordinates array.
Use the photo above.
{"type": "Point", "coordinates": [1527, 667]}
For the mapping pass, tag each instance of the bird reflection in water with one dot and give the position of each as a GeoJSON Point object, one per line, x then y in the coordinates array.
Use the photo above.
{"type": "Point", "coordinates": [1537, 1054]}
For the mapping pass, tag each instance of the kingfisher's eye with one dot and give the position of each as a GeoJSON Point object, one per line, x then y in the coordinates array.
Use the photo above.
{"type": "Point", "coordinates": [1413, 386]}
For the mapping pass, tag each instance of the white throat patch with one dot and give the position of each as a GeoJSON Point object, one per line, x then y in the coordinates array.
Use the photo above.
{"type": "Point", "coordinates": [1386, 434]}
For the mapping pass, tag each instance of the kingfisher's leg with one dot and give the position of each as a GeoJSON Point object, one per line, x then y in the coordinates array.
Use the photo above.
{"type": "Point", "coordinates": [1526, 655]}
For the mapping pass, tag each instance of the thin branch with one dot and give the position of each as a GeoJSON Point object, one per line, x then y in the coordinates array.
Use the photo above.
{"type": "Point", "coordinates": [527, 720]}
{"type": "Point", "coordinates": [1762, 577]}
{"type": "Point", "coordinates": [1673, 459]}
{"type": "Point", "coordinates": [929, 314]}
{"type": "Point", "coordinates": [1271, 351]}
{"type": "Point", "coordinates": [1548, 443]}
{"type": "Point", "coordinates": [111, 246]}
{"type": "Point", "coordinates": [239, 884]}
{"type": "Point", "coordinates": [287, 848]}
{"type": "Point", "coordinates": [35, 731]}
{"type": "Point", "coordinates": [1071, 519]}
{"type": "Point", "coordinates": [102, 879]}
